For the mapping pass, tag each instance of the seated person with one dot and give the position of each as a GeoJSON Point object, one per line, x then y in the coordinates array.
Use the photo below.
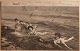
{"type": "Point", "coordinates": [31, 30]}
{"type": "Point", "coordinates": [27, 24]}
{"type": "Point", "coordinates": [20, 26]}
{"type": "Point", "coordinates": [16, 23]}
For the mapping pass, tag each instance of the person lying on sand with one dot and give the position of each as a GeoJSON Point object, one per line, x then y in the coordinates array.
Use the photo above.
{"type": "Point", "coordinates": [61, 41]}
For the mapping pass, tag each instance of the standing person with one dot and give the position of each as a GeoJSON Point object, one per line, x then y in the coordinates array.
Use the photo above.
{"type": "Point", "coordinates": [59, 42]}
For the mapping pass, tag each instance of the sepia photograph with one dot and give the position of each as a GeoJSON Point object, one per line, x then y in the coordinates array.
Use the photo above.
{"type": "Point", "coordinates": [39, 25]}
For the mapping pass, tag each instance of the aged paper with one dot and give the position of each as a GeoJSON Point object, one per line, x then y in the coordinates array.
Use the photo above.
{"type": "Point", "coordinates": [50, 25]}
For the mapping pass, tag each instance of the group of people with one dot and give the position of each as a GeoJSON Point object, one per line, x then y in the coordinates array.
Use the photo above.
{"type": "Point", "coordinates": [24, 27]}
{"type": "Point", "coordinates": [29, 29]}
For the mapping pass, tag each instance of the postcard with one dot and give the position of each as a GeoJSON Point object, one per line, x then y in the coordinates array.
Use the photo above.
{"type": "Point", "coordinates": [48, 25]}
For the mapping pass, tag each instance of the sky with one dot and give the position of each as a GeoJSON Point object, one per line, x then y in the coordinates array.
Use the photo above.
{"type": "Point", "coordinates": [40, 2]}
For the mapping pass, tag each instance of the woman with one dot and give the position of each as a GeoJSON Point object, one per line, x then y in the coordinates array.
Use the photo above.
{"type": "Point", "coordinates": [61, 41]}
{"type": "Point", "coordinates": [16, 23]}
{"type": "Point", "coordinates": [31, 30]}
